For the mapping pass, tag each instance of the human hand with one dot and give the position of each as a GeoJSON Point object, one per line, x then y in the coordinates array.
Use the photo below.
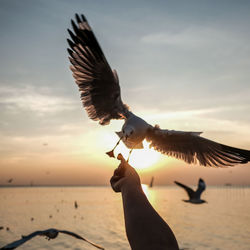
{"type": "Point", "coordinates": [125, 176]}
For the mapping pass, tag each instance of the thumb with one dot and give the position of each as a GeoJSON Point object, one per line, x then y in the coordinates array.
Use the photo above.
{"type": "Point", "coordinates": [121, 158]}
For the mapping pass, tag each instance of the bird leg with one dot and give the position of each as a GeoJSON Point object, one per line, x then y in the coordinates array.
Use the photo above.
{"type": "Point", "coordinates": [129, 154]}
{"type": "Point", "coordinates": [111, 153]}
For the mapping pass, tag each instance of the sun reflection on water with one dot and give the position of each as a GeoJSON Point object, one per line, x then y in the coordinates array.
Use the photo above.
{"type": "Point", "coordinates": [150, 194]}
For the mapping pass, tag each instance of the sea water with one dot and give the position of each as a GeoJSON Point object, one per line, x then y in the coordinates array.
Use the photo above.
{"type": "Point", "coordinates": [222, 223]}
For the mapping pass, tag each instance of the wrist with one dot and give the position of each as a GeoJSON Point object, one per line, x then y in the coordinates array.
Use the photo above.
{"type": "Point", "coordinates": [128, 188]}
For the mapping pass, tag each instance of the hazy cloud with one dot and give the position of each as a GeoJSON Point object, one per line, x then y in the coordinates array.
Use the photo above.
{"type": "Point", "coordinates": [29, 98]}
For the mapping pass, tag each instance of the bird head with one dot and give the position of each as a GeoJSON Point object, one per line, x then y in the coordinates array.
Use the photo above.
{"type": "Point", "coordinates": [127, 131]}
{"type": "Point", "coordinates": [202, 183]}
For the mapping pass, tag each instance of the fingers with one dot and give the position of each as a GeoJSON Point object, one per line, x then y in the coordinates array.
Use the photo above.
{"type": "Point", "coordinates": [122, 166]}
{"type": "Point", "coordinates": [115, 183]}
{"type": "Point", "coordinates": [123, 174]}
{"type": "Point", "coordinates": [120, 157]}
{"type": "Point", "coordinates": [119, 173]}
{"type": "Point", "coordinates": [123, 162]}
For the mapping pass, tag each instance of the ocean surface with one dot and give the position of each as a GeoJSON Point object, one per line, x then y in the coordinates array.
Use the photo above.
{"type": "Point", "coordinates": [222, 223]}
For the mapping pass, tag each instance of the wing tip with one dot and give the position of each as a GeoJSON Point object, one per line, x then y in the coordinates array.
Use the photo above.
{"type": "Point", "coordinates": [77, 18]}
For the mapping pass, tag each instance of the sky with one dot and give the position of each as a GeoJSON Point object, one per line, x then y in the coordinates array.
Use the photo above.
{"type": "Point", "coordinates": [182, 64]}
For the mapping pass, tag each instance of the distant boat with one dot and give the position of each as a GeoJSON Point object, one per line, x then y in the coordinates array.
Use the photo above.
{"type": "Point", "coordinates": [228, 184]}
{"type": "Point", "coordinates": [194, 196]}
{"type": "Point", "coordinates": [151, 182]}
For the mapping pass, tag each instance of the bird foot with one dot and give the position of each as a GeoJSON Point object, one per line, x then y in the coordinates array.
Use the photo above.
{"type": "Point", "coordinates": [111, 153]}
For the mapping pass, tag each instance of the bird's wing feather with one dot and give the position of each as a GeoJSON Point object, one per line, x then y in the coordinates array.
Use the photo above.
{"type": "Point", "coordinates": [80, 237]}
{"type": "Point", "coordinates": [189, 190]}
{"type": "Point", "coordinates": [72, 234]}
{"type": "Point", "coordinates": [192, 148]}
{"type": "Point", "coordinates": [18, 243]}
{"type": "Point", "coordinates": [98, 84]}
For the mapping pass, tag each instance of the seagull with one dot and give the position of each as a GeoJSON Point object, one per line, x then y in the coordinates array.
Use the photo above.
{"type": "Point", "coordinates": [101, 98]}
{"type": "Point", "coordinates": [194, 196]}
{"type": "Point", "coordinates": [51, 233]}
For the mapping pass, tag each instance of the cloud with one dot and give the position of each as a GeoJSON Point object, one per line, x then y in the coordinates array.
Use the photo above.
{"type": "Point", "coordinates": [193, 37]}
{"type": "Point", "coordinates": [28, 98]}
{"type": "Point", "coordinates": [211, 121]}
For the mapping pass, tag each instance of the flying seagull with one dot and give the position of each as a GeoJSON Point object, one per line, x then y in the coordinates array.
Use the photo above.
{"type": "Point", "coordinates": [101, 98]}
{"type": "Point", "coordinates": [49, 234]}
{"type": "Point", "coordinates": [194, 196]}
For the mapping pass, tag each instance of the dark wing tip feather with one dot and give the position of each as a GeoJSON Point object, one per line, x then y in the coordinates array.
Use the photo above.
{"type": "Point", "coordinates": [70, 52]}
{"type": "Point", "coordinates": [78, 18]}
{"type": "Point", "coordinates": [73, 37]}
{"type": "Point", "coordinates": [83, 18]}
{"type": "Point", "coordinates": [75, 28]}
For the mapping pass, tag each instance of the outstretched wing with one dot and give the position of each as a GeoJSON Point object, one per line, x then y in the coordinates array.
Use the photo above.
{"type": "Point", "coordinates": [50, 233]}
{"type": "Point", "coordinates": [98, 84]}
{"type": "Point", "coordinates": [189, 190]}
{"type": "Point", "coordinates": [24, 239]}
{"type": "Point", "coordinates": [190, 147]}
{"type": "Point", "coordinates": [80, 237]}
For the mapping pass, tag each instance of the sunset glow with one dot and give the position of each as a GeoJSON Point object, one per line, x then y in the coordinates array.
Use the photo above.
{"type": "Point", "coordinates": [140, 158]}
{"type": "Point", "coordinates": [186, 70]}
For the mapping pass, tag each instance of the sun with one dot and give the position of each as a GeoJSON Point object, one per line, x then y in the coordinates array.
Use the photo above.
{"type": "Point", "coordinates": [140, 158]}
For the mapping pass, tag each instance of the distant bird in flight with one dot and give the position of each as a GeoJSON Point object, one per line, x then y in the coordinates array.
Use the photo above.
{"type": "Point", "coordinates": [101, 98]}
{"type": "Point", "coordinates": [49, 234]}
{"type": "Point", "coordinates": [10, 180]}
{"type": "Point", "coordinates": [194, 196]}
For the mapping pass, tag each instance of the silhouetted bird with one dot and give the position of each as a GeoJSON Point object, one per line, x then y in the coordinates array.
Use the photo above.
{"type": "Point", "coordinates": [49, 234]}
{"type": "Point", "coordinates": [101, 97]}
{"type": "Point", "coordinates": [194, 196]}
{"type": "Point", "coordinates": [76, 205]}
{"type": "Point", "coordinates": [10, 180]}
